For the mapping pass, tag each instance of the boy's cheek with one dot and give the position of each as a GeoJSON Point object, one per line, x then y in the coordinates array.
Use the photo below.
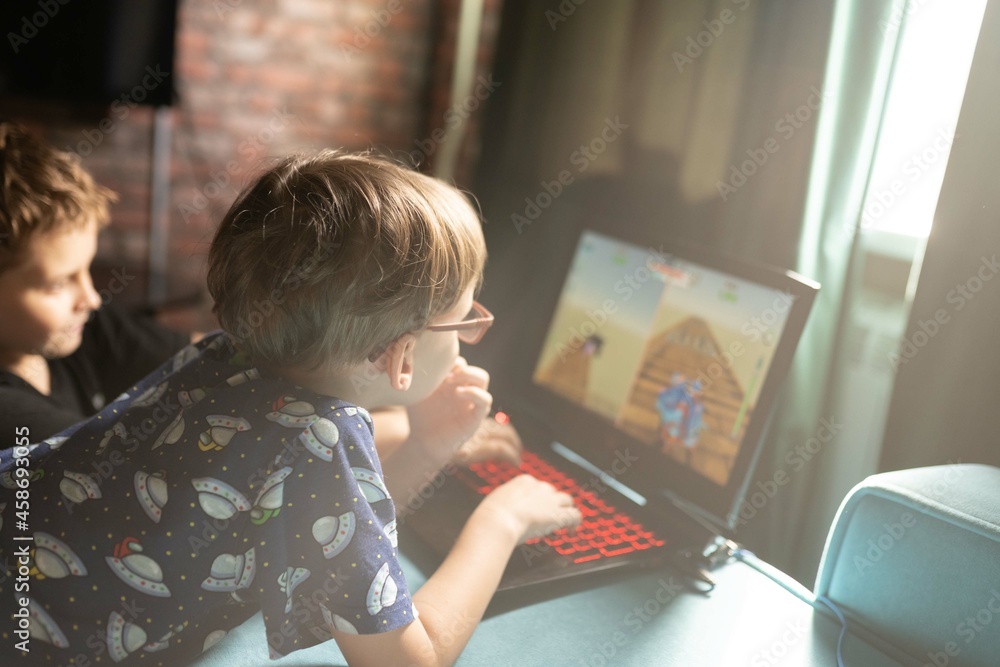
{"type": "Point", "coordinates": [37, 328]}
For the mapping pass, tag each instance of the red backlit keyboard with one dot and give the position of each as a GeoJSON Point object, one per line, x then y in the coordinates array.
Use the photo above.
{"type": "Point", "coordinates": [604, 532]}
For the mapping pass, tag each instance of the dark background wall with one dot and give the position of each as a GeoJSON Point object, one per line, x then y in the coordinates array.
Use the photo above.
{"type": "Point", "coordinates": [256, 79]}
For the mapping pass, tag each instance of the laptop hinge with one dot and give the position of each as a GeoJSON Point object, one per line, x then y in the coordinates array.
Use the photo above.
{"type": "Point", "coordinates": [571, 456]}
{"type": "Point", "coordinates": [705, 519]}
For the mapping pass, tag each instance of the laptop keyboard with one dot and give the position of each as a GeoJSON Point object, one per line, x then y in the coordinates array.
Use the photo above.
{"type": "Point", "coordinates": [604, 532]}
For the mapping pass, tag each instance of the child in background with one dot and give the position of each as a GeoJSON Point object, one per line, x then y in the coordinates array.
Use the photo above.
{"type": "Point", "coordinates": [52, 374]}
{"type": "Point", "coordinates": [242, 475]}
{"type": "Point", "coordinates": [58, 364]}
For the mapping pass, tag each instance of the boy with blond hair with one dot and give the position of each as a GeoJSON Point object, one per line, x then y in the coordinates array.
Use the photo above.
{"type": "Point", "coordinates": [59, 362]}
{"type": "Point", "coordinates": [340, 281]}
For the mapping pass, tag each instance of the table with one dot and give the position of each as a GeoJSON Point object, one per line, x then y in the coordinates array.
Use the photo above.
{"type": "Point", "coordinates": [651, 617]}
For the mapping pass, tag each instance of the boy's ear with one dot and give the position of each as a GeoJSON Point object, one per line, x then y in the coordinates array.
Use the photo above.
{"type": "Point", "coordinates": [399, 361]}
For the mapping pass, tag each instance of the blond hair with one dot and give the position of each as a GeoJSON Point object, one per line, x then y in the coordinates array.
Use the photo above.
{"type": "Point", "coordinates": [328, 258]}
{"type": "Point", "coordinates": [42, 190]}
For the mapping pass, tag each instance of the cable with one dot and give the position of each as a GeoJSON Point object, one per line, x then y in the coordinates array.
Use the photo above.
{"type": "Point", "coordinates": [843, 627]}
{"type": "Point", "coordinates": [746, 556]}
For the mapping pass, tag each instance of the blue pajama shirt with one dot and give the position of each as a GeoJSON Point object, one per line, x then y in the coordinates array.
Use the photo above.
{"type": "Point", "coordinates": [207, 492]}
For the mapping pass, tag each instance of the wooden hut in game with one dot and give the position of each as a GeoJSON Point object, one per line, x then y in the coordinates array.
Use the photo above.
{"type": "Point", "coordinates": [689, 348]}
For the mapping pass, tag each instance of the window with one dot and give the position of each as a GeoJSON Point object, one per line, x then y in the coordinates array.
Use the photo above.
{"type": "Point", "coordinates": [925, 96]}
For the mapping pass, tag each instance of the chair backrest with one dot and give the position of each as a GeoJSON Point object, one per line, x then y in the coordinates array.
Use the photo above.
{"type": "Point", "coordinates": [913, 556]}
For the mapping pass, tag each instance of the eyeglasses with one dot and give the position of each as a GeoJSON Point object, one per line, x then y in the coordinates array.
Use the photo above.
{"type": "Point", "coordinates": [471, 330]}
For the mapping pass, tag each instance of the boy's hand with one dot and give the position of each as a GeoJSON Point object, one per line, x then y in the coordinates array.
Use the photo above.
{"type": "Point", "coordinates": [455, 411]}
{"type": "Point", "coordinates": [530, 507]}
{"type": "Point", "coordinates": [492, 441]}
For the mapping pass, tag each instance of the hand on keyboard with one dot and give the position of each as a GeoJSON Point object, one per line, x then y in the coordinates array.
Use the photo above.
{"type": "Point", "coordinates": [535, 507]}
{"type": "Point", "coordinates": [605, 532]}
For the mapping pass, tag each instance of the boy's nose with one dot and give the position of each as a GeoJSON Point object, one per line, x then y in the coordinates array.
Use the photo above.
{"type": "Point", "coordinates": [89, 298]}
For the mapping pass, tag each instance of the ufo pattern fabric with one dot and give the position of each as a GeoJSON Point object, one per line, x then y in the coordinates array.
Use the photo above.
{"type": "Point", "coordinates": [206, 493]}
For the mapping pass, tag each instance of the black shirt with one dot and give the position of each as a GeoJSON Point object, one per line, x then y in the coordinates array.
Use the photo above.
{"type": "Point", "coordinates": [118, 348]}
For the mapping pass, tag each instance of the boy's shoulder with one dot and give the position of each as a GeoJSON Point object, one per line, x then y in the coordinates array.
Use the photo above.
{"type": "Point", "coordinates": [209, 391]}
{"type": "Point", "coordinates": [230, 389]}
{"type": "Point", "coordinates": [215, 367]}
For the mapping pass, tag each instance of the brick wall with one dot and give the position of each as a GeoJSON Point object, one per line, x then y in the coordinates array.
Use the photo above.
{"type": "Point", "coordinates": [257, 79]}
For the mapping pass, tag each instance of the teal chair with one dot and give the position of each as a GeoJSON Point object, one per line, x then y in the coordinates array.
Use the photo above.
{"type": "Point", "coordinates": [913, 558]}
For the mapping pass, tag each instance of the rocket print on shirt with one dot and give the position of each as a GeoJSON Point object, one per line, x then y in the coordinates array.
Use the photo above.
{"type": "Point", "coordinates": [208, 492]}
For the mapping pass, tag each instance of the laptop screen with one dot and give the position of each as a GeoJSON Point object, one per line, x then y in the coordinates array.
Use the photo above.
{"type": "Point", "coordinates": [671, 353]}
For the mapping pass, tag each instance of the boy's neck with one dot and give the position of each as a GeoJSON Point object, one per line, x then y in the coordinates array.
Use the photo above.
{"type": "Point", "coordinates": [32, 368]}
{"type": "Point", "coordinates": [337, 385]}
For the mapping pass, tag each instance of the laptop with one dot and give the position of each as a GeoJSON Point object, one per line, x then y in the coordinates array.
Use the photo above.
{"type": "Point", "coordinates": [644, 392]}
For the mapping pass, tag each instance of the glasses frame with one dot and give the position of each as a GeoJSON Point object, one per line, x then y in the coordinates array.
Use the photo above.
{"type": "Point", "coordinates": [477, 325]}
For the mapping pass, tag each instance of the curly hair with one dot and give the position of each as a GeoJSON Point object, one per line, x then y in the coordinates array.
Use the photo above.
{"type": "Point", "coordinates": [42, 190]}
